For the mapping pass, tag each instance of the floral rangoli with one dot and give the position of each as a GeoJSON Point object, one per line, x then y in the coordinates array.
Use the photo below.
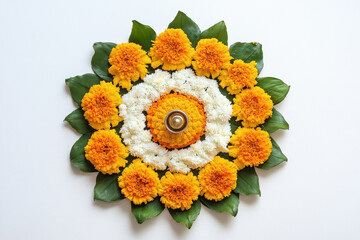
{"type": "Point", "coordinates": [176, 120]}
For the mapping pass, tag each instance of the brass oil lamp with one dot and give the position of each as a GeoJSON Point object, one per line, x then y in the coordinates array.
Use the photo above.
{"type": "Point", "coordinates": [176, 121]}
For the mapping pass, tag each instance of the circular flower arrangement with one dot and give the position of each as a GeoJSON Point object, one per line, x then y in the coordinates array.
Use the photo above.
{"type": "Point", "coordinates": [176, 119]}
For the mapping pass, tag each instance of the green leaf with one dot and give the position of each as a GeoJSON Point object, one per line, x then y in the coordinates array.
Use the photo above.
{"type": "Point", "coordinates": [229, 204]}
{"type": "Point", "coordinates": [144, 212]}
{"type": "Point", "coordinates": [118, 127]}
{"type": "Point", "coordinates": [226, 156]}
{"type": "Point", "coordinates": [224, 92]}
{"type": "Point", "coordinates": [80, 85]}
{"type": "Point", "coordinates": [275, 122]}
{"type": "Point", "coordinates": [186, 217]}
{"type": "Point", "coordinates": [234, 125]}
{"type": "Point", "coordinates": [77, 120]}
{"type": "Point", "coordinates": [248, 182]}
{"type": "Point", "coordinates": [161, 173]}
{"type": "Point", "coordinates": [150, 71]}
{"type": "Point", "coordinates": [248, 52]}
{"type": "Point", "coordinates": [190, 28]}
{"type": "Point", "coordinates": [100, 61]}
{"type": "Point", "coordinates": [276, 157]}
{"type": "Point", "coordinates": [276, 88]}
{"type": "Point", "coordinates": [217, 31]}
{"type": "Point", "coordinates": [142, 35]}
{"type": "Point", "coordinates": [77, 155]}
{"type": "Point", "coordinates": [107, 188]}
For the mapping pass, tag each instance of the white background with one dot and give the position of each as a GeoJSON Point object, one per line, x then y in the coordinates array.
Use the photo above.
{"type": "Point", "coordinates": [312, 45]}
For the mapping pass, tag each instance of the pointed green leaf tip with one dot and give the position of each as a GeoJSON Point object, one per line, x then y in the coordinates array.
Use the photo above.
{"type": "Point", "coordinates": [77, 121]}
{"type": "Point", "coordinates": [229, 204]}
{"type": "Point", "coordinates": [80, 85]}
{"type": "Point", "coordinates": [100, 61]}
{"type": "Point", "coordinates": [275, 122]}
{"type": "Point", "coordinates": [77, 155]}
{"type": "Point", "coordinates": [144, 212]}
{"type": "Point", "coordinates": [276, 88]}
{"type": "Point", "coordinates": [142, 34]}
{"type": "Point", "coordinates": [276, 157]}
{"type": "Point", "coordinates": [107, 188]}
{"type": "Point", "coordinates": [190, 28]}
{"type": "Point", "coordinates": [217, 31]}
{"type": "Point", "coordinates": [186, 217]}
{"type": "Point", "coordinates": [248, 182]}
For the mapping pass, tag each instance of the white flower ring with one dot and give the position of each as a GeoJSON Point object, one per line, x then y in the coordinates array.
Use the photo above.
{"type": "Point", "coordinates": [139, 140]}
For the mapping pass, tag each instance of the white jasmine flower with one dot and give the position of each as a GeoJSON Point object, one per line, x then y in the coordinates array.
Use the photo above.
{"type": "Point", "coordinates": [139, 140]}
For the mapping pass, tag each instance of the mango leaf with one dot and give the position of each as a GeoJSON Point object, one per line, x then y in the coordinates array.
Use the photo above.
{"type": "Point", "coordinates": [226, 156]}
{"type": "Point", "coordinates": [129, 159]}
{"type": "Point", "coordinates": [186, 217]}
{"type": "Point", "coordinates": [80, 85]}
{"type": "Point", "coordinates": [224, 92]}
{"type": "Point", "coordinates": [248, 182]}
{"type": "Point", "coordinates": [77, 120]}
{"type": "Point", "coordinates": [162, 173]}
{"type": "Point", "coordinates": [142, 34]}
{"type": "Point", "coordinates": [118, 127]}
{"type": "Point", "coordinates": [217, 31]}
{"type": "Point", "coordinates": [248, 52]}
{"type": "Point", "coordinates": [107, 188]}
{"type": "Point", "coordinates": [190, 28]}
{"type": "Point", "coordinates": [144, 212]}
{"type": "Point", "coordinates": [276, 88]}
{"type": "Point", "coordinates": [229, 204]}
{"type": "Point", "coordinates": [77, 155]}
{"type": "Point", "coordinates": [234, 125]}
{"type": "Point", "coordinates": [275, 122]}
{"type": "Point", "coordinates": [100, 61]}
{"type": "Point", "coordinates": [150, 71]}
{"type": "Point", "coordinates": [276, 157]}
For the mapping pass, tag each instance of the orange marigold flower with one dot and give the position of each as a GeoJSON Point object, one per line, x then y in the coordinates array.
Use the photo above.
{"type": "Point", "coordinates": [238, 76]}
{"type": "Point", "coordinates": [139, 183]}
{"type": "Point", "coordinates": [128, 63]}
{"type": "Point", "coordinates": [252, 106]}
{"type": "Point", "coordinates": [172, 49]}
{"type": "Point", "coordinates": [217, 179]}
{"type": "Point", "coordinates": [211, 57]}
{"type": "Point", "coordinates": [106, 152]}
{"type": "Point", "coordinates": [179, 190]}
{"type": "Point", "coordinates": [250, 147]}
{"type": "Point", "coordinates": [100, 106]}
{"type": "Point", "coordinates": [191, 106]}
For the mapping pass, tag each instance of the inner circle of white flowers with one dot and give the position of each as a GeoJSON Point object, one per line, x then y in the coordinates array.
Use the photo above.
{"type": "Point", "coordinates": [139, 140]}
